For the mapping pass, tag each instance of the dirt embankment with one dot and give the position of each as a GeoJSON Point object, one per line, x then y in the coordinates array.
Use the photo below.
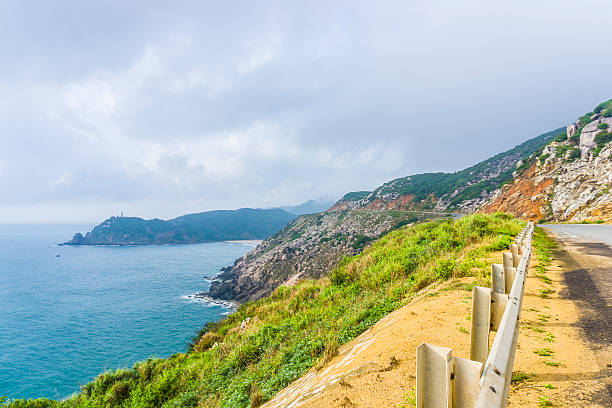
{"type": "Point", "coordinates": [554, 364]}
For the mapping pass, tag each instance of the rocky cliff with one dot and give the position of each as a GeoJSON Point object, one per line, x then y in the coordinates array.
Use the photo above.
{"type": "Point", "coordinates": [309, 247]}
{"type": "Point", "coordinates": [569, 179]}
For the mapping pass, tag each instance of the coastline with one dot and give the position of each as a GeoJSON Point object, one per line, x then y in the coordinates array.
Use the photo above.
{"type": "Point", "coordinates": [204, 298]}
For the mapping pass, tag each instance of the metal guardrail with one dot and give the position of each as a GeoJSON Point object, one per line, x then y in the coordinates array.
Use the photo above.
{"type": "Point", "coordinates": [483, 380]}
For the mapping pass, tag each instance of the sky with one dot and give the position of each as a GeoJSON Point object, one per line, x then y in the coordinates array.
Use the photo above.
{"type": "Point", "coordinates": [158, 109]}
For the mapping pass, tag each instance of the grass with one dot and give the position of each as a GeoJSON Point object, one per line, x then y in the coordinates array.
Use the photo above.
{"type": "Point", "coordinates": [544, 402]}
{"type": "Point", "coordinates": [545, 279]}
{"type": "Point", "coordinates": [545, 292]}
{"type": "Point", "coordinates": [549, 337]}
{"type": "Point", "coordinates": [552, 363]}
{"type": "Point", "coordinates": [300, 327]}
{"type": "Point", "coordinates": [519, 377]}
{"type": "Point", "coordinates": [545, 352]}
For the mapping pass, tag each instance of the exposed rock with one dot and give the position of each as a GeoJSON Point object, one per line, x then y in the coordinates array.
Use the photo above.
{"type": "Point", "coordinates": [587, 137]}
{"type": "Point", "coordinates": [309, 247]}
{"type": "Point", "coordinates": [558, 190]}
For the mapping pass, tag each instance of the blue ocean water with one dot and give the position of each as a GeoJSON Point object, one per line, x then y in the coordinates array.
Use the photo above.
{"type": "Point", "coordinates": [66, 319]}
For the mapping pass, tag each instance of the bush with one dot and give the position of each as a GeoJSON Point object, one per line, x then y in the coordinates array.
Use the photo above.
{"type": "Point", "coordinates": [603, 125]}
{"type": "Point", "coordinates": [574, 153]}
{"type": "Point", "coordinates": [561, 137]}
{"type": "Point", "coordinates": [544, 157]}
{"type": "Point", "coordinates": [602, 106]}
{"type": "Point", "coordinates": [603, 138]}
{"type": "Point", "coordinates": [607, 113]}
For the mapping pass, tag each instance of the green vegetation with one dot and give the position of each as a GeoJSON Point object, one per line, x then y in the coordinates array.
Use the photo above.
{"type": "Point", "coordinates": [544, 157]}
{"type": "Point", "coordinates": [221, 225]}
{"type": "Point", "coordinates": [574, 154]}
{"type": "Point", "coordinates": [300, 327]}
{"type": "Point", "coordinates": [545, 292]}
{"type": "Point", "coordinates": [519, 377]}
{"type": "Point", "coordinates": [602, 106]}
{"type": "Point", "coordinates": [603, 125]}
{"type": "Point", "coordinates": [544, 352]}
{"type": "Point", "coordinates": [544, 402]}
{"type": "Point", "coordinates": [561, 137]}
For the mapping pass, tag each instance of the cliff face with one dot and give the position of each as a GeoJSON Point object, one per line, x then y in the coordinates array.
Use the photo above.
{"type": "Point", "coordinates": [309, 247]}
{"type": "Point", "coordinates": [570, 179]}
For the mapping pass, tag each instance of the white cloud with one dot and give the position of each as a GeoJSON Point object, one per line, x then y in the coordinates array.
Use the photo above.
{"type": "Point", "coordinates": [187, 109]}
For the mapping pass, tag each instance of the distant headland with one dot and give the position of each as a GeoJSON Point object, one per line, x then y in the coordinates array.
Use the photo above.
{"type": "Point", "coordinates": [210, 226]}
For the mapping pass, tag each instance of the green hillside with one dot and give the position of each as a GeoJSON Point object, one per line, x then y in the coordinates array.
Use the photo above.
{"type": "Point", "coordinates": [302, 326]}
{"type": "Point", "coordinates": [210, 226]}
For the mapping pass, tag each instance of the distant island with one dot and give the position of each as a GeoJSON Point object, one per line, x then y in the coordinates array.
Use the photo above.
{"type": "Point", "coordinates": [210, 226]}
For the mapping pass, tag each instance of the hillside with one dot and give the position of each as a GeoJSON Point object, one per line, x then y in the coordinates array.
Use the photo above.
{"type": "Point", "coordinates": [309, 247]}
{"type": "Point", "coordinates": [247, 358]}
{"type": "Point", "coordinates": [462, 191]}
{"type": "Point", "coordinates": [221, 225]}
{"type": "Point", "coordinates": [569, 179]}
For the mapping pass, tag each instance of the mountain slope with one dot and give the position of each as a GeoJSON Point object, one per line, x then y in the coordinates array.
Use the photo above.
{"type": "Point", "coordinates": [570, 179]}
{"type": "Point", "coordinates": [464, 191]}
{"type": "Point", "coordinates": [309, 247]}
{"type": "Point", "coordinates": [221, 225]}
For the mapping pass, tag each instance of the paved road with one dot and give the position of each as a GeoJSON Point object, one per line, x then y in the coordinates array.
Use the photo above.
{"type": "Point", "coordinates": [586, 254]}
{"type": "Point", "coordinates": [583, 232]}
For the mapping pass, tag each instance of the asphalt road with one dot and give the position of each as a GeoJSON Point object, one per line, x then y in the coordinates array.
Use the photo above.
{"type": "Point", "coordinates": [582, 232]}
{"type": "Point", "coordinates": [586, 255]}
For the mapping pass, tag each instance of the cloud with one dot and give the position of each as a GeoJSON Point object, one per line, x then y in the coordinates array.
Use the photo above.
{"type": "Point", "coordinates": [165, 109]}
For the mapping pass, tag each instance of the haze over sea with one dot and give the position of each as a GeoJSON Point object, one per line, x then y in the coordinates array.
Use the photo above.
{"type": "Point", "coordinates": [66, 319]}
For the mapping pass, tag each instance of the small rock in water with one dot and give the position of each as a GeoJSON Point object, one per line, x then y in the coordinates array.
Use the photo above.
{"type": "Point", "coordinates": [57, 256]}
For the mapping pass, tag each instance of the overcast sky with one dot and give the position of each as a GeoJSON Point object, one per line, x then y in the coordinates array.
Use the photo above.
{"type": "Point", "coordinates": [164, 108]}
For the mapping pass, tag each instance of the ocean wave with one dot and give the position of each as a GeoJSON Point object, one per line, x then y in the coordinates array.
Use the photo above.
{"type": "Point", "coordinates": [201, 298]}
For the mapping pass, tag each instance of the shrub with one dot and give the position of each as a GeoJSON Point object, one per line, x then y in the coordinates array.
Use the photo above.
{"type": "Point", "coordinates": [603, 138]}
{"type": "Point", "coordinates": [607, 113]}
{"type": "Point", "coordinates": [561, 137]}
{"type": "Point", "coordinates": [586, 119]}
{"type": "Point", "coordinates": [544, 157]}
{"type": "Point", "coordinates": [574, 153]}
{"type": "Point", "coordinates": [603, 125]}
{"type": "Point", "coordinates": [602, 106]}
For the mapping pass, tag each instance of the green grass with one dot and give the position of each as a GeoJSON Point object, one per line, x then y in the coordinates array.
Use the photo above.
{"type": "Point", "coordinates": [544, 402]}
{"type": "Point", "coordinates": [519, 377]}
{"type": "Point", "coordinates": [545, 352]}
{"type": "Point", "coordinates": [545, 292]}
{"type": "Point", "coordinates": [301, 327]}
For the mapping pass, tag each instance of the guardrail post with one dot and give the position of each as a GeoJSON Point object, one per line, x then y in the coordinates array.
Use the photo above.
{"type": "Point", "coordinates": [444, 381]}
{"type": "Point", "coordinates": [481, 324]}
{"type": "Point", "coordinates": [498, 306]}
{"type": "Point", "coordinates": [516, 258]}
{"type": "Point", "coordinates": [467, 382]}
{"type": "Point", "coordinates": [434, 369]}
{"type": "Point", "coordinates": [498, 283]}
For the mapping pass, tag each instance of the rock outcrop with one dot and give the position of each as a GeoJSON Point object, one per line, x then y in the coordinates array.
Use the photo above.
{"type": "Point", "coordinates": [570, 179]}
{"type": "Point", "coordinates": [309, 247]}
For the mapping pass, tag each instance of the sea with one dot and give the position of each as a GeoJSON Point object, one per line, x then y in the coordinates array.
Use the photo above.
{"type": "Point", "coordinates": [69, 313]}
